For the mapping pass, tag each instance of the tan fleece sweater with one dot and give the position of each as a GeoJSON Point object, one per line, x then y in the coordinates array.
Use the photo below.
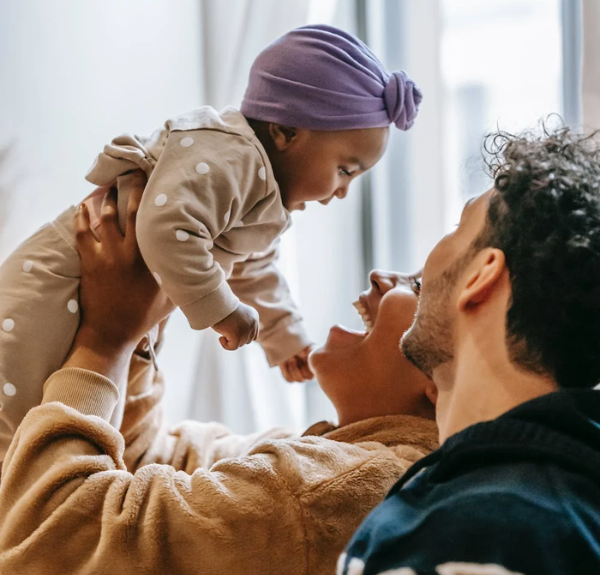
{"type": "Point", "coordinates": [209, 222]}
{"type": "Point", "coordinates": [226, 504]}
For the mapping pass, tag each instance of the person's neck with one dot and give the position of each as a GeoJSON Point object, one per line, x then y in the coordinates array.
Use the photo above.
{"type": "Point", "coordinates": [476, 388]}
{"type": "Point", "coordinates": [261, 129]}
{"type": "Point", "coordinates": [417, 407]}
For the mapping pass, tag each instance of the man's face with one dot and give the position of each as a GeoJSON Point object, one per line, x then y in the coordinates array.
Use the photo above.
{"type": "Point", "coordinates": [430, 341]}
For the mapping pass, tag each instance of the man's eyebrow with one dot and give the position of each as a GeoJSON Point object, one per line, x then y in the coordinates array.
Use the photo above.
{"type": "Point", "coordinates": [466, 207]}
{"type": "Point", "coordinates": [469, 202]}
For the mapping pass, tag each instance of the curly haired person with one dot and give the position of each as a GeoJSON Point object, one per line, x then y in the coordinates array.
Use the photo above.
{"type": "Point", "coordinates": [508, 328]}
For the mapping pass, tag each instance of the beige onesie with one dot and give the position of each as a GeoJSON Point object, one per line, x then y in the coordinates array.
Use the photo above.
{"type": "Point", "coordinates": [208, 228]}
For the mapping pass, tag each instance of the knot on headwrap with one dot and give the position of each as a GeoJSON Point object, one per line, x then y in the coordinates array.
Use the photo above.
{"type": "Point", "coordinates": [402, 99]}
{"type": "Point", "coordinates": [323, 78]}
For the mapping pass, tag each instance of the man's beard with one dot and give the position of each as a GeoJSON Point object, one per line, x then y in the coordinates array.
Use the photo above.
{"type": "Point", "coordinates": [429, 342]}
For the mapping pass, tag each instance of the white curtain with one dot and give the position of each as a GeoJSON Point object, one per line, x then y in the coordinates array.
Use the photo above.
{"type": "Point", "coordinates": [408, 184]}
{"type": "Point", "coordinates": [591, 64]}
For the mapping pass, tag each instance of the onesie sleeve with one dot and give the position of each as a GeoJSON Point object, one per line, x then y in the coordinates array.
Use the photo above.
{"type": "Point", "coordinates": [68, 505]}
{"type": "Point", "coordinates": [203, 183]}
{"type": "Point", "coordinates": [259, 283]}
{"type": "Point", "coordinates": [125, 153]}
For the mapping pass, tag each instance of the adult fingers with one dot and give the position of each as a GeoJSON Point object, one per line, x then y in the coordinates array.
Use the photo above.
{"type": "Point", "coordinates": [137, 184]}
{"type": "Point", "coordinates": [109, 222]}
{"type": "Point", "coordinates": [83, 232]}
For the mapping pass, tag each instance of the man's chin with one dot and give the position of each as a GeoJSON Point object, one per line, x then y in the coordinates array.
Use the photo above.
{"type": "Point", "coordinates": [406, 347]}
{"type": "Point", "coordinates": [418, 350]}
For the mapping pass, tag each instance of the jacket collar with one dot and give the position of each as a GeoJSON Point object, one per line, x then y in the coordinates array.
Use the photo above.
{"type": "Point", "coordinates": [390, 430]}
{"type": "Point", "coordinates": [561, 427]}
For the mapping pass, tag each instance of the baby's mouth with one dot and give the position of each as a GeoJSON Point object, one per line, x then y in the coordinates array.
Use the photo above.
{"type": "Point", "coordinates": [364, 315]}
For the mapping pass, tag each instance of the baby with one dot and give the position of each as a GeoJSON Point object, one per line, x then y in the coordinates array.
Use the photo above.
{"type": "Point", "coordinates": [221, 186]}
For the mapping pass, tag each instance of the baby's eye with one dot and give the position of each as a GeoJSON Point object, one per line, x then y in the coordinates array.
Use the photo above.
{"type": "Point", "coordinates": [345, 172]}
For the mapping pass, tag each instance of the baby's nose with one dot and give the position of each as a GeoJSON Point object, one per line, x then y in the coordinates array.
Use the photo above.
{"type": "Point", "coordinates": [341, 193]}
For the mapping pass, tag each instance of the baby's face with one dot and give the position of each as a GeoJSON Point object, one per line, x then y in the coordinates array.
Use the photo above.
{"type": "Point", "coordinates": [320, 165]}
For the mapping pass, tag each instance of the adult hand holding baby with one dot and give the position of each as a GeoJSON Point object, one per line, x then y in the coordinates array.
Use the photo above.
{"type": "Point", "coordinates": [137, 300]}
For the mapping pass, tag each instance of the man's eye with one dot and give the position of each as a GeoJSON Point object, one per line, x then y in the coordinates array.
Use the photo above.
{"type": "Point", "coordinates": [345, 172]}
{"type": "Point", "coordinates": [416, 285]}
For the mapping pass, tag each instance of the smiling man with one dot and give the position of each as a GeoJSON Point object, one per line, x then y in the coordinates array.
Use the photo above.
{"type": "Point", "coordinates": [508, 328]}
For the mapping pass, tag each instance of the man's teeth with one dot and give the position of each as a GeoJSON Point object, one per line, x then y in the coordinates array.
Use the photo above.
{"type": "Point", "coordinates": [364, 315]}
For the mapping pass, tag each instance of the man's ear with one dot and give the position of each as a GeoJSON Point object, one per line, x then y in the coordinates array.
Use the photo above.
{"type": "Point", "coordinates": [283, 136]}
{"type": "Point", "coordinates": [491, 264]}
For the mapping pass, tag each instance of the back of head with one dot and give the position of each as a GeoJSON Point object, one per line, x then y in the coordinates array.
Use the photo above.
{"type": "Point", "coordinates": [545, 217]}
{"type": "Point", "coordinates": [322, 78]}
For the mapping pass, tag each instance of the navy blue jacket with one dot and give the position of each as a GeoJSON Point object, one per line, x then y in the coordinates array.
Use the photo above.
{"type": "Point", "coordinates": [520, 494]}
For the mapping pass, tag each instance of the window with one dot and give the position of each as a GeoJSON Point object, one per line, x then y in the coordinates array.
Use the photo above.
{"type": "Point", "coordinates": [501, 66]}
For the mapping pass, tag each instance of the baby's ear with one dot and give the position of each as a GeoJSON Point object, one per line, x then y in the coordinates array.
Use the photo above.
{"type": "Point", "coordinates": [283, 136]}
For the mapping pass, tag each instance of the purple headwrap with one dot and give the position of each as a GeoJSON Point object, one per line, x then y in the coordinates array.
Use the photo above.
{"type": "Point", "coordinates": [322, 78]}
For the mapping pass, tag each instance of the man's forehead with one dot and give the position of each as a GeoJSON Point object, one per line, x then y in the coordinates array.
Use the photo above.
{"type": "Point", "coordinates": [475, 201]}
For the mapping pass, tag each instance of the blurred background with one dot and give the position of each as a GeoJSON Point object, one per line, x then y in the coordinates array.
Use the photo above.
{"type": "Point", "coordinates": [76, 73]}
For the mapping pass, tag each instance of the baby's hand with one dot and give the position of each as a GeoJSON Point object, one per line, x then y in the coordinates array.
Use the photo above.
{"type": "Point", "coordinates": [238, 328]}
{"type": "Point", "coordinates": [296, 368]}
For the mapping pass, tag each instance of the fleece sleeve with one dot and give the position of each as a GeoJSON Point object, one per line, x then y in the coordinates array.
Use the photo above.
{"type": "Point", "coordinates": [203, 184]}
{"type": "Point", "coordinates": [187, 446]}
{"type": "Point", "coordinates": [68, 505]}
{"type": "Point", "coordinates": [259, 283]}
{"type": "Point", "coordinates": [125, 153]}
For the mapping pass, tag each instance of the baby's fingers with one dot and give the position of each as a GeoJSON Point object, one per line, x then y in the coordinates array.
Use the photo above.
{"type": "Point", "coordinates": [230, 344]}
{"type": "Point", "coordinates": [294, 370]}
{"type": "Point", "coordinates": [307, 373]}
{"type": "Point", "coordinates": [286, 372]}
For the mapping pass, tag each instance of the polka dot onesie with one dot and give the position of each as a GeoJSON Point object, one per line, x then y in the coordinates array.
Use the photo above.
{"type": "Point", "coordinates": [208, 228]}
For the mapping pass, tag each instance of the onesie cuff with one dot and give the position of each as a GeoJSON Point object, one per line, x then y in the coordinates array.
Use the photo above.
{"type": "Point", "coordinates": [285, 343]}
{"type": "Point", "coordinates": [86, 391]}
{"type": "Point", "coordinates": [212, 308]}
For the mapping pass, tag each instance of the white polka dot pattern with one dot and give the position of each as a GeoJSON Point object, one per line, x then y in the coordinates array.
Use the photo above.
{"type": "Point", "coordinates": [160, 200]}
{"type": "Point", "coordinates": [8, 324]}
{"type": "Point", "coordinates": [262, 173]}
{"type": "Point", "coordinates": [27, 266]}
{"type": "Point", "coordinates": [72, 306]}
{"type": "Point", "coordinates": [9, 389]}
{"type": "Point", "coordinates": [182, 235]}
{"type": "Point", "coordinates": [186, 142]}
{"type": "Point", "coordinates": [202, 168]}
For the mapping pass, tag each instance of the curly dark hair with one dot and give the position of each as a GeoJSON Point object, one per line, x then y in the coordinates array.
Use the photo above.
{"type": "Point", "coordinates": [545, 217]}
